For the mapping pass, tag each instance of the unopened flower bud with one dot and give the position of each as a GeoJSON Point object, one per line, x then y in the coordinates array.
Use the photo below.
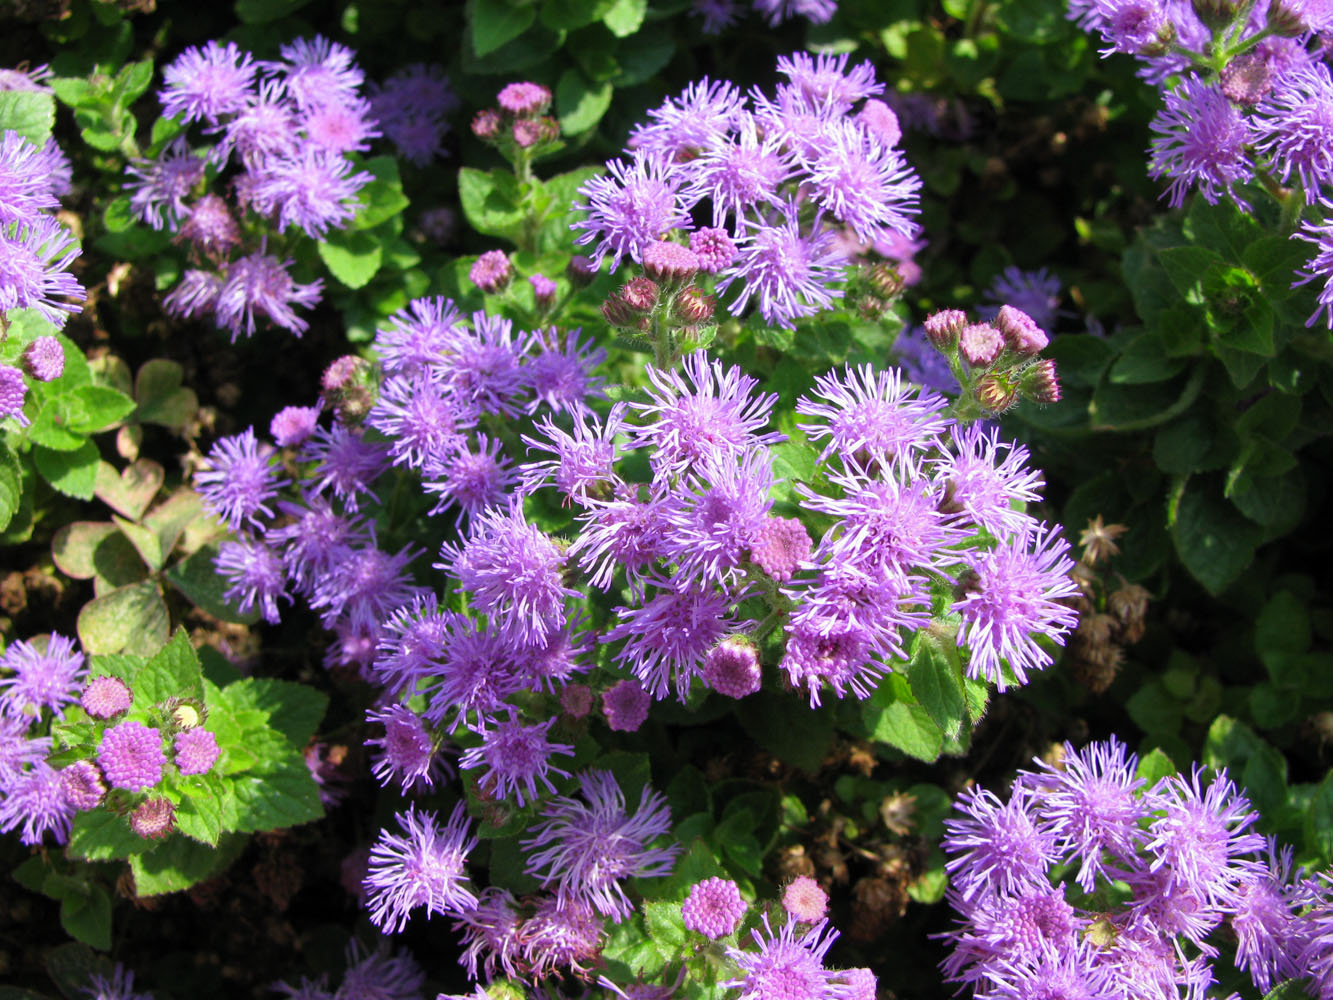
{"type": "Point", "coordinates": [731, 667]}
{"type": "Point", "coordinates": [670, 262]}
{"type": "Point", "coordinates": [693, 307]}
{"type": "Point", "coordinates": [1248, 78]}
{"type": "Point", "coordinates": [153, 819]}
{"type": "Point", "coordinates": [1287, 18]}
{"type": "Point", "coordinates": [185, 716]}
{"type": "Point", "coordinates": [524, 98]}
{"type": "Point", "coordinates": [491, 271]}
{"type": "Point", "coordinates": [83, 785]}
{"type": "Point", "coordinates": [576, 700]}
{"type": "Point", "coordinates": [527, 133]}
{"type": "Point", "coordinates": [543, 290]}
{"type": "Point", "coordinates": [486, 123]}
{"type": "Point", "coordinates": [995, 394]}
{"type": "Point", "coordinates": [1215, 13]}
{"type": "Point", "coordinates": [880, 120]}
{"type": "Point", "coordinates": [342, 373]}
{"type": "Point", "coordinates": [617, 312]}
{"type": "Point", "coordinates": [581, 271]}
{"type": "Point", "coordinates": [944, 327]}
{"type": "Point", "coordinates": [1021, 332]}
{"type": "Point", "coordinates": [354, 404]}
{"type": "Point", "coordinates": [106, 698]}
{"type": "Point", "coordinates": [44, 359]}
{"type": "Point", "coordinates": [1040, 383]}
{"type": "Point", "coordinates": [980, 344]}
{"type": "Point", "coordinates": [640, 294]}
{"type": "Point", "coordinates": [885, 280]}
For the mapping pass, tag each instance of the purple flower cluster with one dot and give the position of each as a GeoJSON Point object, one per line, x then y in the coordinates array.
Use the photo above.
{"type": "Point", "coordinates": [1189, 869]}
{"type": "Point", "coordinates": [779, 178]}
{"type": "Point", "coordinates": [287, 127]}
{"type": "Point", "coordinates": [719, 14]}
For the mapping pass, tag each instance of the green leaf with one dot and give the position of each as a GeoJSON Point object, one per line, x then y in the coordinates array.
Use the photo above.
{"type": "Point", "coordinates": [145, 542]}
{"type": "Point", "coordinates": [51, 428]}
{"type": "Point", "coordinates": [937, 683]}
{"type": "Point", "coordinates": [495, 22]}
{"type": "Point", "coordinates": [1213, 540]}
{"type": "Point", "coordinates": [11, 485]}
{"type": "Point", "coordinates": [161, 398]}
{"type": "Point", "coordinates": [280, 795]}
{"type": "Point", "coordinates": [1319, 819]}
{"type": "Point", "coordinates": [788, 728]}
{"type": "Point", "coordinates": [73, 473]}
{"type": "Point", "coordinates": [911, 729]}
{"type": "Point", "coordinates": [383, 197]}
{"type": "Point", "coordinates": [1283, 625]}
{"type": "Point", "coordinates": [491, 201]}
{"type": "Point", "coordinates": [87, 918]}
{"type": "Point", "coordinates": [665, 925]}
{"type": "Point", "coordinates": [130, 491]}
{"type": "Point", "coordinates": [1180, 447]}
{"type": "Point", "coordinates": [266, 11]}
{"type": "Point", "coordinates": [129, 619]}
{"type": "Point", "coordinates": [181, 862]}
{"type": "Point", "coordinates": [196, 578]}
{"type": "Point", "coordinates": [1155, 766]}
{"type": "Point", "coordinates": [31, 115]}
{"type": "Point", "coordinates": [1154, 710]}
{"type": "Point", "coordinates": [565, 15]}
{"type": "Point", "coordinates": [102, 407]}
{"type": "Point", "coordinates": [1187, 267]}
{"type": "Point", "coordinates": [352, 257]}
{"type": "Point", "coordinates": [1145, 360]}
{"type": "Point", "coordinates": [180, 514]}
{"type": "Point", "coordinates": [199, 814]}
{"type": "Point", "coordinates": [579, 103]}
{"type": "Point", "coordinates": [101, 835]}
{"type": "Point", "coordinates": [625, 17]}
{"type": "Point", "coordinates": [294, 710]}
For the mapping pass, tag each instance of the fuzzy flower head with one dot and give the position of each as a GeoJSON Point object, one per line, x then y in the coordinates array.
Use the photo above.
{"type": "Point", "coordinates": [997, 844]}
{"type": "Point", "coordinates": [422, 866]}
{"type": "Point", "coordinates": [131, 756]}
{"type": "Point", "coordinates": [44, 359]}
{"type": "Point", "coordinates": [516, 758]}
{"type": "Point", "coordinates": [872, 415]}
{"type": "Point", "coordinates": [260, 285]}
{"type": "Point", "coordinates": [586, 847]}
{"type": "Point", "coordinates": [13, 392]}
{"type": "Point", "coordinates": [206, 83]}
{"type": "Point", "coordinates": [789, 271]}
{"type": "Point", "coordinates": [713, 908]}
{"type": "Point", "coordinates": [38, 802]}
{"type": "Point", "coordinates": [732, 668]}
{"type": "Point", "coordinates": [628, 208]}
{"type": "Point", "coordinates": [1294, 125]}
{"type": "Point", "coordinates": [1201, 141]}
{"type": "Point", "coordinates": [625, 706]}
{"type": "Point", "coordinates": [805, 900]}
{"type": "Point", "coordinates": [38, 679]}
{"type": "Point", "coordinates": [406, 750]}
{"type": "Point", "coordinates": [240, 480]}
{"type": "Point", "coordinates": [787, 964]}
{"type": "Point", "coordinates": [83, 785]}
{"type": "Point", "coordinates": [197, 751]}
{"type": "Point", "coordinates": [35, 256]}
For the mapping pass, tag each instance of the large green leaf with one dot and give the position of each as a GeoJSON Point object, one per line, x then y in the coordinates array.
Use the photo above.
{"type": "Point", "coordinates": [30, 114]}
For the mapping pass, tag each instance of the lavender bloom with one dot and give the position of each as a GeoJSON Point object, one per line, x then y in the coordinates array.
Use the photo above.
{"type": "Point", "coordinates": [25, 188]}
{"type": "Point", "coordinates": [83, 785]}
{"type": "Point", "coordinates": [412, 640]}
{"type": "Point", "coordinates": [561, 374]}
{"type": "Point", "coordinates": [206, 84]}
{"type": "Point", "coordinates": [739, 174]}
{"type": "Point", "coordinates": [717, 514]}
{"type": "Point", "coordinates": [119, 987]}
{"type": "Point", "coordinates": [160, 186]}
{"type": "Point", "coordinates": [131, 756]}
{"type": "Point", "coordinates": [516, 758]}
{"type": "Point", "coordinates": [625, 706]}
{"type": "Point", "coordinates": [996, 925]}
{"type": "Point", "coordinates": [411, 107]}
{"type": "Point", "coordinates": [197, 751]}
{"type": "Point", "coordinates": [716, 15]}
{"type": "Point", "coordinates": [1319, 266]}
{"type": "Point", "coordinates": [708, 409]}
{"type": "Point", "coordinates": [814, 11]}
{"type": "Point", "coordinates": [18, 752]}
{"type": "Point", "coordinates": [668, 636]}
{"type": "Point", "coordinates": [40, 679]}
{"type": "Point", "coordinates": [561, 934]}
{"type": "Point", "coordinates": [424, 866]}
{"type": "Point", "coordinates": [872, 415]}
{"type": "Point", "coordinates": [319, 72]}
{"type": "Point", "coordinates": [732, 668]}
{"type": "Point", "coordinates": [340, 127]}
{"type": "Point", "coordinates": [418, 336]}
{"type": "Point", "coordinates": [476, 672]}
{"type": "Point", "coordinates": [629, 209]}
{"type": "Point", "coordinates": [825, 81]}
{"type": "Point", "coordinates": [423, 422]}
{"type": "Point", "coordinates": [312, 190]}
{"type": "Point", "coordinates": [787, 963]}
{"type": "Point", "coordinates": [484, 367]}
{"type": "Point", "coordinates": [36, 801]}
{"type": "Point", "coordinates": [240, 480]}
{"type": "Point", "coordinates": [13, 393]}
{"type": "Point", "coordinates": [256, 576]}
{"type": "Point", "coordinates": [1037, 293]}
{"type": "Point", "coordinates": [106, 697]}
{"type": "Point", "coordinates": [699, 118]}
{"type": "Point", "coordinates": [513, 571]}
{"type": "Point", "coordinates": [1294, 128]}
{"type": "Point", "coordinates": [790, 272]}
{"type": "Point", "coordinates": [406, 750]}
{"type": "Point", "coordinates": [1000, 845]}
{"type": "Point", "coordinates": [379, 975]}
{"type": "Point", "coordinates": [621, 533]}
{"type": "Point", "coordinates": [260, 284]}
{"type": "Point", "coordinates": [366, 583]}
{"type": "Point", "coordinates": [584, 459]}
{"type": "Point", "coordinates": [491, 934]}
{"type": "Point", "coordinates": [474, 480]}
{"type": "Point", "coordinates": [1202, 139]}
{"type": "Point", "coordinates": [1014, 599]}
{"type": "Point", "coordinates": [586, 848]}
{"type": "Point", "coordinates": [292, 425]}
{"type": "Point", "coordinates": [713, 908]}
{"type": "Point", "coordinates": [864, 183]}
{"type": "Point", "coordinates": [195, 295]}
{"type": "Point", "coordinates": [348, 464]}
{"type": "Point", "coordinates": [264, 128]}
{"type": "Point", "coordinates": [29, 79]}
{"type": "Point", "coordinates": [1132, 26]}
{"type": "Point", "coordinates": [491, 271]}
{"type": "Point", "coordinates": [1269, 934]}
{"type": "Point", "coordinates": [35, 255]}
{"type": "Point", "coordinates": [315, 541]}
{"type": "Point", "coordinates": [983, 475]}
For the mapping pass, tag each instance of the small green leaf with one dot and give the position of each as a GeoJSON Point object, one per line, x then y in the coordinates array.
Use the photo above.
{"type": "Point", "coordinates": [11, 485]}
{"type": "Point", "coordinates": [181, 862]}
{"type": "Point", "coordinates": [161, 398]}
{"type": "Point", "coordinates": [73, 473]}
{"type": "Point", "coordinates": [1213, 540]}
{"type": "Point", "coordinates": [491, 201]}
{"type": "Point", "coordinates": [383, 197]}
{"type": "Point", "coordinates": [199, 814]}
{"type": "Point", "coordinates": [145, 542]}
{"type": "Point", "coordinates": [625, 17]}
{"type": "Point", "coordinates": [101, 835]}
{"type": "Point", "coordinates": [292, 709]}
{"type": "Point", "coordinates": [87, 918]}
{"type": "Point", "coordinates": [352, 257]}
{"type": "Point", "coordinates": [280, 795]}
{"type": "Point", "coordinates": [30, 114]}
{"type": "Point", "coordinates": [911, 729]}
{"type": "Point", "coordinates": [130, 491]}
{"type": "Point", "coordinates": [1153, 767]}
{"type": "Point", "coordinates": [103, 407]}
{"type": "Point", "coordinates": [580, 103]}
{"type": "Point", "coordinates": [937, 684]}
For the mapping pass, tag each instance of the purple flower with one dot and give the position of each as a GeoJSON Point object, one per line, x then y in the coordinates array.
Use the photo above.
{"type": "Point", "coordinates": [827, 648]}
{"type": "Point", "coordinates": [24, 179]}
{"type": "Point", "coordinates": [474, 480]}
{"type": "Point", "coordinates": [513, 571]}
{"type": "Point", "coordinates": [265, 127]}
{"type": "Point", "coordinates": [418, 336]}
{"type": "Point", "coordinates": [259, 284]}
{"type": "Point", "coordinates": [484, 367]}
{"type": "Point", "coordinates": [713, 908]}
{"type": "Point", "coordinates": [790, 272]}
{"type": "Point", "coordinates": [240, 480]}
{"type": "Point", "coordinates": [314, 541]}
{"type": "Point", "coordinates": [779, 546]}
{"type": "Point", "coordinates": [524, 98]}
{"type": "Point", "coordinates": [1000, 845]}
{"type": "Point", "coordinates": [625, 705]}
{"type": "Point", "coordinates": [313, 190]}
{"type": "Point", "coordinates": [864, 183]}
{"type": "Point", "coordinates": [48, 678]}
{"type": "Point", "coordinates": [194, 295]}
{"type": "Point", "coordinates": [292, 425]}
{"type": "Point", "coordinates": [516, 758]}
{"type": "Point", "coordinates": [83, 785]}
{"type": "Point", "coordinates": [411, 106]}
{"type": "Point", "coordinates": [1014, 599]}
{"type": "Point", "coordinates": [787, 964]}
{"type": "Point", "coordinates": [1132, 26]}
{"type": "Point", "coordinates": [586, 848]}
{"type": "Point", "coordinates": [320, 72]}
{"type": "Point", "coordinates": [160, 187]}
{"type": "Point", "coordinates": [1294, 128]}
{"type": "Point", "coordinates": [13, 392]}
{"type": "Point", "coordinates": [119, 987]}
{"type": "Point", "coordinates": [982, 477]}
{"type": "Point", "coordinates": [106, 697]}
{"type": "Point", "coordinates": [206, 84]}
{"type": "Point", "coordinates": [668, 636]}
{"type": "Point", "coordinates": [378, 975]}
{"type": "Point", "coordinates": [347, 464]}
{"type": "Point", "coordinates": [131, 756]}
{"type": "Point", "coordinates": [585, 455]}
{"type": "Point", "coordinates": [210, 228]}
{"type": "Point", "coordinates": [412, 639]}
{"type": "Point", "coordinates": [491, 271]}
{"type": "Point", "coordinates": [621, 533]}
{"type": "Point", "coordinates": [741, 173]}
{"type": "Point", "coordinates": [717, 513]}
{"type": "Point", "coordinates": [543, 290]}
{"type": "Point", "coordinates": [714, 249]}
{"type": "Point", "coordinates": [561, 934]}
{"type": "Point", "coordinates": [1269, 934]}
{"type": "Point", "coordinates": [879, 121]}
{"type": "Point", "coordinates": [197, 751]}
{"type": "Point", "coordinates": [37, 802]}
{"type": "Point", "coordinates": [921, 362]}
{"type": "Point", "coordinates": [1037, 293]}
{"type": "Point", "coordinates": [998, 925]}
{"type": "Point", "coordinates": [732, 668]}
{"type": "Point", "coordinates": [423, 422]}
{"type": "Point", "coordinates": [35, 255]}
{"type": "Point", "coordinates": [1201, 140]}
{"type": "Point", "coordinates": [634, 206]}
{"type": "Point", "coordinates": [825, 81]}
{"type": "Point", "coordinates": [716, 15]}
{"type": "Point", "coordinates": [491, 934]}
{"type": "Point", "coordinates": [256, 576]}
{"type": "Point", "coordinates": [872, 415]}
{"type": "Point", "coordinates": [561, 374]}
{"type": "Point", "coordinates": [700, 117]}
{"type": "Point", "coordinates": [365, 583]}
{"type": "Point", "coordinates": [704, 409]}
{"type": "Point", "coordinates": [406, 750]}
{"type": "Point", "coordinates": [476, 672]}
{"type": "Point", "coordinates": [422, 867]}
